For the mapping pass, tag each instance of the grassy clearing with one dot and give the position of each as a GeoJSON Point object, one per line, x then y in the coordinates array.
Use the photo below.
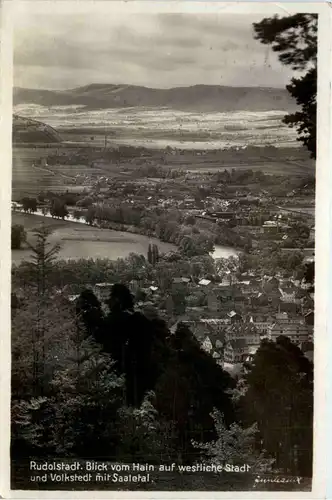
{"type": "Point", "coordinates": [79, 241]}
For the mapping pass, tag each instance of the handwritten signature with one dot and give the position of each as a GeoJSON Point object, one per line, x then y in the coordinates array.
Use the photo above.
{"type": "Point", "coordinates": [277, 479]}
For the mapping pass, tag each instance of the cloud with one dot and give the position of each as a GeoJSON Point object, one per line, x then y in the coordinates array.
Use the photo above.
{"type": "Point", "coordinates": [73, 48]}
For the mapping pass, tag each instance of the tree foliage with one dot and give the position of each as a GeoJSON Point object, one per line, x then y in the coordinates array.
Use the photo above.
{"type": "Point", "coordinates": [279, 398]}
{"type": "Point", "coordinates": [88, 394]}
{"type": "Point", "coordinates": [85, 202]}
{"type": "Point", "coordinates": [294, 39]}
{"type": "Point", "coordinates": [41, 332]}
{"type": "Point", "coordinates": [58, 209]}
{"type": "Point", "coordinates": [309, 272]}
{"type": "Point", "coordinates": [234, 445]}
{"type": "Point", "coordinates": [145, 436]}
{"type": "Point", "coordinates": [29, 204]}
{"type": "Point", "coordinates": [79, 410]}
{"type": "Point", "coordinates": [89, 311]}
{"type": "Point", "coordinates": [42, 258]}
{"type": "Point", "coordinates": [153, 254]}
{"type": "Point", "coordinates": [128, 337]}
{"type": "Point", "coordinates": [122, 385]}
{"type": "Point", "coordinates": [18, 236]}
{"type": "Point", "coordinates": [191, 385]}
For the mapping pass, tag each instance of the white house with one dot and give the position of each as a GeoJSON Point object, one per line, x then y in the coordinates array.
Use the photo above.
{"type": "Point", "coordinates": [235, 351]}
{"type": "Point", "coordinates": [204, 282]}
{"type": "Point", "coordinates": [207, 345]}
{"type": "Point", "coordinates": [270, 226]}
{"type": "Point", "coordinates": [288, 295]}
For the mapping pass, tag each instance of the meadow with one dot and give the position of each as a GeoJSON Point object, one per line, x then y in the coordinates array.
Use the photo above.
{"type": "Point", "coordinates": [79, 241]}
{"type": "Point", "coordinates": [30, 177]}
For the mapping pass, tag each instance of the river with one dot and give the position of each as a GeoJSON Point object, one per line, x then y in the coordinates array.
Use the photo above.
{"type": "Point", "coordinates": [80, 241]}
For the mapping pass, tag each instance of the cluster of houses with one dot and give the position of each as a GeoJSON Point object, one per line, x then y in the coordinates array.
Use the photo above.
{"type": "Point", "coordinates": [238, 313]}
{"type": "Point", "coordinates": [235, 338]}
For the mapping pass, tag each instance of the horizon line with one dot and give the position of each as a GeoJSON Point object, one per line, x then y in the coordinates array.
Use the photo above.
{"type": "Point", "coordinates": [149, 88]}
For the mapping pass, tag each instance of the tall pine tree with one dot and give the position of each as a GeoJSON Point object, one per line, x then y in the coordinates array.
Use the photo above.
{"type": "Point", "coordinates": [294, 39]}
{"type": "Point", "coordinates": [41, 265]}
{"type": "Point", "coordinates": [42, 258]}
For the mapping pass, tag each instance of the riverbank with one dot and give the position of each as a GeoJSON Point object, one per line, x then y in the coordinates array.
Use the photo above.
{"type": "Point", "coordinates": [78, 240]}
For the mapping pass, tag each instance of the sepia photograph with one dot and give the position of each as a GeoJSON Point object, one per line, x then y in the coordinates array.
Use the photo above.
{"type": "Point", "coordinates": [163, 248]}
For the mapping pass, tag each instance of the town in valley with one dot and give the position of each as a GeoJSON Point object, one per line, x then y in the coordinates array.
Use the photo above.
{"type": "Point", "coordinates": [163, 249]}
{"type": "Point", "coordinates": [241, 264]}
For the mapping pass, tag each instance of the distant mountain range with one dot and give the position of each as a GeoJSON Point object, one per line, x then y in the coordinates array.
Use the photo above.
{"type": "Point", "coordinates": [204, 98]}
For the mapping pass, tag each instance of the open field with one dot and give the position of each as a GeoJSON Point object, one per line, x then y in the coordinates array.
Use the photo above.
{"type": "Point", "coordinates": [80, 241]}
{"type": "Point", "coordinates": [158, 124]}
{"type": "Point", "coordinates": [31, 175]}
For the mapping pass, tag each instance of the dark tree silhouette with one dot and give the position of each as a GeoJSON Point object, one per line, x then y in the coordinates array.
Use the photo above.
{"type": "Point", "coordinates": [191, 386]}
{"type": "Point", "coordinates": [88, 309]}
{"type": "Point", "coordinates": [294, 39]}
{"type": "Point", "coordinates": [14, 302]}
{"type": "Point", "coordinates": [90, 215]}
{"type": "Point", "coordinates": [128, 336]}
{"type": "Point", "coordinates": [58, 209]}
{"type": "Point", "coordinates": [29, 204]}
{"type": "Point", "coordinates": [279, 398]}
{"type": "Point", "coordinates": [187, 382]}
{"type": "Point", "coordinates": [309, 272]}
{"type": "Point", "coordinates": [18, 236]}
{"type": "Point", "coordinates": [120, 299]}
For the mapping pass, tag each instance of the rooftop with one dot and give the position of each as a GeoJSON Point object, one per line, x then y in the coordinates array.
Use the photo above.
{"type": "Point", "coordinates": [103, 285]}
{"type": "Point", "coordinates": [287, 290]}
{"type": "Point", "coordinates": [238, 343]}
{"type": "Point", "coordinates": [232, 314]}
{"type": "Point", "coordinates": [204, 282]}
{"type": "Point", "coordinates": [214, 321]}
{"type": "Point", "coordinates": [181, 280]}
{"type": "Point", "coordinates": [290, 328]}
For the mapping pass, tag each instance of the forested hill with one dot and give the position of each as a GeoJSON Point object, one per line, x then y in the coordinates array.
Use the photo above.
{"type": "Point", "coordinates": [204, 98]}
{"type": "Point", "coordinates": [120, 384]}
{"type": "Point", "coordinates": [26, 130]}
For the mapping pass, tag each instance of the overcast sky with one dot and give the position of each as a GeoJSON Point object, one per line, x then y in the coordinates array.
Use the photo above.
{"type": "Point", "coordinates": [61, 50]}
